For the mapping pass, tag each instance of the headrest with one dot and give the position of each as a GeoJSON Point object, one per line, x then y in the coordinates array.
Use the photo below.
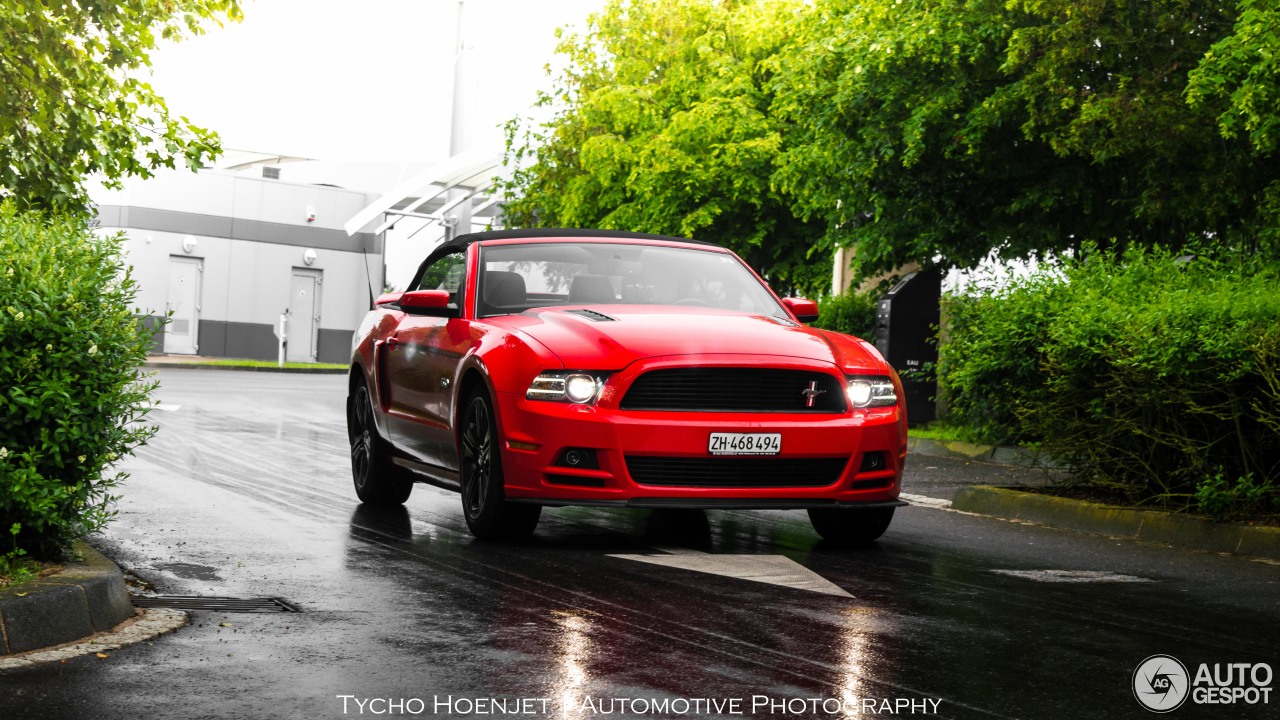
{"type": "Point", "coordinates": [591, 289]}
{"type": "Point", "coordinates": [503, 290]}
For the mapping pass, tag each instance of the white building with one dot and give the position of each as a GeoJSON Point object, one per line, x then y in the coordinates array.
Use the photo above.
{"type": "Point", "coordinates": [227, 253]}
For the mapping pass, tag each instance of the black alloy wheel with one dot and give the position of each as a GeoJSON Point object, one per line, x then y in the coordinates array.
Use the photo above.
{"type": "Point", "coordinates": [851, 526]}
{"type": "Point", "coordinates": [378, 481]}
{"type": "Point", "coordinates": [489, 515]}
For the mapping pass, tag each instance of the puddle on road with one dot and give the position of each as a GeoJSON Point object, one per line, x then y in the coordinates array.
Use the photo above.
{"type": "Point", "coordinates": [191, 571]}
{"type": "Point", "coordinates": [1074, 576]}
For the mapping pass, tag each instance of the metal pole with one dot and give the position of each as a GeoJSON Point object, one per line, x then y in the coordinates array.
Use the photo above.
{"type": "Point", "coordinates": [457, 133]}
{"type": "Point", "coordinates": [284, 325]}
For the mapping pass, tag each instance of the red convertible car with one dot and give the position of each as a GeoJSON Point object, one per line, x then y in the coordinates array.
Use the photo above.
{"type": "Point", "coordinates": [526, 368]}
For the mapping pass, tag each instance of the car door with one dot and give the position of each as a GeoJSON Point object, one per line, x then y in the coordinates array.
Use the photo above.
{"type": "Point", "coordinates": [421, 361]}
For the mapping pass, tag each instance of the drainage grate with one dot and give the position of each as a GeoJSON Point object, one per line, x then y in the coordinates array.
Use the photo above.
{"type": "Point", "coordinates": [222, 604]}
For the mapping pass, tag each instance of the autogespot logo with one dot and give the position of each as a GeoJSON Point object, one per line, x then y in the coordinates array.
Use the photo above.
{"type": "Point", "coordinates": [1160, 683]}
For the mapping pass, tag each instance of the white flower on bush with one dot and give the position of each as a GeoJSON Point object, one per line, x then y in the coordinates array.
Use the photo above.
{"type": "Point", "coordinates": [80, 459]}
{"type": "Point", "coordinates": [93, 349]}
{"type": "Point", "coordinates": [4, 452]}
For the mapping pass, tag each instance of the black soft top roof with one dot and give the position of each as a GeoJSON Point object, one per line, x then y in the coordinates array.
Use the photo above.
{"type": "Point", "coordinates": [462, 241]}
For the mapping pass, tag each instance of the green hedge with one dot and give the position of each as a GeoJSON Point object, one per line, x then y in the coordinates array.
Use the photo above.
{"type": "Point", "coordinates": [70, 353]}
{"type": "Point", "coordinates": [851, 313]}
{"type": "Point", "coordinates": [1155, 378]}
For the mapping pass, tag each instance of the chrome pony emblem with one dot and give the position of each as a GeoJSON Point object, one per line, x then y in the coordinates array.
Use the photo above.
{"type": "Point", "coordinates": [811, 393]}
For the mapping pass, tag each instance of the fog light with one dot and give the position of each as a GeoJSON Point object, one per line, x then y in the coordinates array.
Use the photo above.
{"type": "Point", "coordinates": [872, 461]}
{"type": "Point", "coordinates": [578, 458]}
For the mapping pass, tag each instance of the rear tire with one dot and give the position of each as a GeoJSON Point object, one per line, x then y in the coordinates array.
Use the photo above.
{"type": "Point", "coordinates": [851, 526]}
{"type": "Point", "coordinates": [490, 516]}
{"type": "Point", "coordinates": [378, 481]}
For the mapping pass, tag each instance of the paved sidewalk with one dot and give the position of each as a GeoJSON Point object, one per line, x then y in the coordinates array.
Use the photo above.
{"type": "Point", "coordinates": [1011, 503]}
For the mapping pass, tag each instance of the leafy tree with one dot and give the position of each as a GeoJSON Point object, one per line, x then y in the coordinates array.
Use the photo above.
{"type": "Point", "coordinates": [661, 124]}
{"type": "Point", "coordinates": [938, 130]}
{"type": "Point", "coordinates": [1240, 77]}
{"type": "Point", "coordinates": [73, 104]}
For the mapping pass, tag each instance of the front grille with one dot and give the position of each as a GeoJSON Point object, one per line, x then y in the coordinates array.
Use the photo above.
{"type": "Point", "coordinates": [744, 472]}
{"type": "Point", "coordinates": [735, 390]}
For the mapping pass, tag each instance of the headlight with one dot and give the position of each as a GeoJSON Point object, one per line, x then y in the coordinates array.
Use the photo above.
{"type": "Point", "coordinates": [871, 392]}
{"type": "Point", "coordinates": [578, 388]}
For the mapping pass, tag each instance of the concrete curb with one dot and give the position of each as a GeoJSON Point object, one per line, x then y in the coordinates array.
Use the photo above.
{"type": "Point", "coordinates": [250, 368]}
{"type": "Point", "coordinates": [147, 624]}
{"type": "Point", "coordinates": [1151, 525]}
{"type": "Point", "coordinates": [997, 454]}
{"type": "Point", "coordinates": [88, 596]}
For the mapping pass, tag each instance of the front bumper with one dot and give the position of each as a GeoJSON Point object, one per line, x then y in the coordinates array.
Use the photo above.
{"type": "Point", "coordinates": [536, 433]}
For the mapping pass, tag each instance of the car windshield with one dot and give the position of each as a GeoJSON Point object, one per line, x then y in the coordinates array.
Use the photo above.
{"type": "Point", "coordinates": [515, 278]}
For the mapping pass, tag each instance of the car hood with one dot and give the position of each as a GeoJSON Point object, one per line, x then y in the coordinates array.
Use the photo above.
{"type": "Point", "coordinates": [612, 337]}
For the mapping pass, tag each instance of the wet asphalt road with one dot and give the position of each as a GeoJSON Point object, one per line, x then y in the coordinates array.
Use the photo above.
{"type": "Point", "coordinates": [246, 492]}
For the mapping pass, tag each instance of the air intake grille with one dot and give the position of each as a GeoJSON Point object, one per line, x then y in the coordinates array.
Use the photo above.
{"type": "Point", "coordinates": [735, 390]}
{"type": "Point", "coordinates": [735, 472]}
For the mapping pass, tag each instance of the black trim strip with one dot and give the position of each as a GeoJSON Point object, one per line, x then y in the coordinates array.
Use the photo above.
{"type": "Point", "coordinates": [431, 474]}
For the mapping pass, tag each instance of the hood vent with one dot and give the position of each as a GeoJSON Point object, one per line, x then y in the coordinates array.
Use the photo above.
{"type": "Point", "coordinates": [593, 315]}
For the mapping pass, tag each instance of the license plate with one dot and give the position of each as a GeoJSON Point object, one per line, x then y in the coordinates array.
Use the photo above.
{"type": "Point", "coordinates": [745, 443]}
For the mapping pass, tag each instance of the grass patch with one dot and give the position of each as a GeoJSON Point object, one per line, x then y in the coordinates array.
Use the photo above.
{"type": "Point", "coordinates": [24, 571]}
{"type": "Point", "coordinates": [1115, 497]}
{"type": "Point", "coordinates": [941, 431]}
{"type": "Point", "coordinates": [236, 362]}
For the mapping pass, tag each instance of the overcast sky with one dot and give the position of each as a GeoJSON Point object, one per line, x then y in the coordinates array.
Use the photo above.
{"type": "Point", "coordinates": [362, 80]}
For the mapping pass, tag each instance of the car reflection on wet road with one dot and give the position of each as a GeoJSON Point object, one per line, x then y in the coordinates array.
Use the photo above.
{"type": "Point", "coordinates": [246, 492]}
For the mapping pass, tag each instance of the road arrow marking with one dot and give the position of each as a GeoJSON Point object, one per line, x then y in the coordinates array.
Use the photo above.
{"type": "Point", "coordinates": [926, 501]}
{"type": "Point", "coordinates": [769, 569]}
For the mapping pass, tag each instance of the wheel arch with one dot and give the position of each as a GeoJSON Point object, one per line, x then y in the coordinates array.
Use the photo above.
{"type": "Point", "coordinates": [472, 374]}
{"type": "Point", "coordinates": [358, 373]}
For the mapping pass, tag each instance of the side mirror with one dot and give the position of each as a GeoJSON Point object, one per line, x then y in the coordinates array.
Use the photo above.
{"type": "Point", "coordinates": [806, 311]}
{"type": "Point", "coordinates": [434, 303]}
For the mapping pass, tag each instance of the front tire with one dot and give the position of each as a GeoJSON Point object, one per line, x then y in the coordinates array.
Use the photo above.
{"type": "Point", "coordinates": [378, 481]}
{"type": "Point", "coordinates": [489, 515]}
{"type": "Point", "coordinates": [851, 526]}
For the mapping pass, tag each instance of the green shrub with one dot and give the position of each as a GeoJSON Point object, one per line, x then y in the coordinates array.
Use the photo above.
{"type": "Point", "coordinates": [992, 358]}
{"type": "Point", "coordinates": [73, 395]}
{"type": "Point", "coordinates": [1155, 378]}
{"type": "Point", "coordinates": [851, 313]}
